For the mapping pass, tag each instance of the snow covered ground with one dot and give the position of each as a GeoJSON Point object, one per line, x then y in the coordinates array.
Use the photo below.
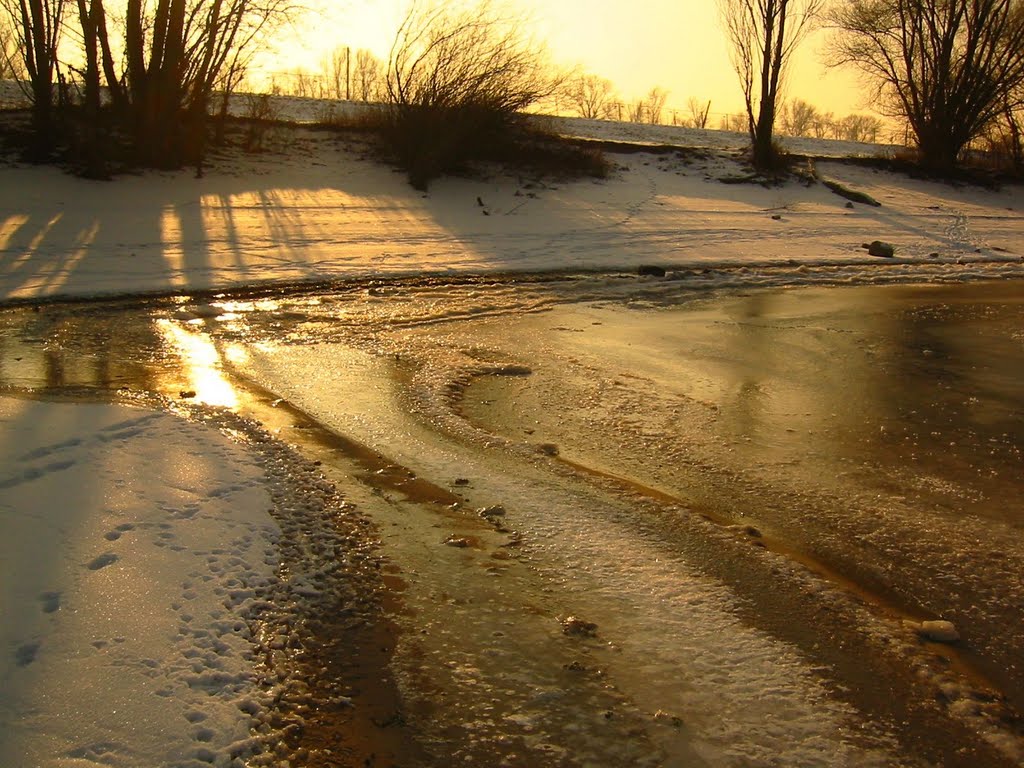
{"type": "Point", "coordinates": [318, 208]}
{"type": "Point", "coordinates": [146, 601]}
{"type": "Point", "coordinates": [130, 568]}
{"type": "Point", "coordinates": [140, 566]}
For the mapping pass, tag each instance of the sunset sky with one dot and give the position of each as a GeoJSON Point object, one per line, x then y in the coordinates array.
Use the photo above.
{"type": "Point", "coordinates": [677, 45]}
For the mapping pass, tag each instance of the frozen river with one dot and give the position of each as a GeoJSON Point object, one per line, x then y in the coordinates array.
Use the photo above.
{"type": "Point", "coordinates": [631, 523]}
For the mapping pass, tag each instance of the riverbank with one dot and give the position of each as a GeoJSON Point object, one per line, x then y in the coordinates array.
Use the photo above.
{"type": "Point", "coordinates": [319, 207]}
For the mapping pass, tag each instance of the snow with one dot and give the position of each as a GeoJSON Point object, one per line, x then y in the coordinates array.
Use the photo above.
{"type": "Point", "coordinates": [134, 546]}
{"type": "Point", "coordinates": [152, 582]}
{"type": "Point", "coordinates": [137, 551]}
{"type": "Point", "coordinates": [317, 210]}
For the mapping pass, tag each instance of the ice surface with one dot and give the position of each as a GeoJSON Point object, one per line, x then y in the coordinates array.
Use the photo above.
{"type": "Point", "coordinates": [745, 390]}
{"type": "Point", "coordinates": [747, 698]}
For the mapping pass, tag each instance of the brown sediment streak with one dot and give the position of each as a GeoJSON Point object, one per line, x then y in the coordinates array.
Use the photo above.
{"type": "Point", "coordinates": [815, 566]}
{"type": "Point", "coordinates": [951, 655]}
{"type": "Point", "coordinates": [379, 471]}
{"type": "Point", "coordinates": [374, 731]}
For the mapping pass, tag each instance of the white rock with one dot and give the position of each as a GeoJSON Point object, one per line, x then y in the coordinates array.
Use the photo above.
{"type": "Point", "coordinates": [938, 631]}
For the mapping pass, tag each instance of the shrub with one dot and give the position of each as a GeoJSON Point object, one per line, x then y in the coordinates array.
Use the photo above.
{"type": "Point", "coordinates": [457, 83]}
{"type": "Point", "coordinates": [261, 112]}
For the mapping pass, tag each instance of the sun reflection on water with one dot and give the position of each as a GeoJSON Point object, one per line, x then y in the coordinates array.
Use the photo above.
{"type": "Point", "coordinates": [201, 364]}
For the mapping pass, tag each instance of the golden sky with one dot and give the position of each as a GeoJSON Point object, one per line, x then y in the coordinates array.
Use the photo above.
{"type": "Point", "coordinates": [677, 45]}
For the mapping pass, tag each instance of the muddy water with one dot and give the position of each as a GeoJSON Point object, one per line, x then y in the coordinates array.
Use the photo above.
{"type": "Point", "coordinates": [716, 512]}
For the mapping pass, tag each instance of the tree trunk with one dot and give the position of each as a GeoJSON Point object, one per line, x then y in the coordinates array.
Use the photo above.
{"type": "Point", "coordinates": [134, 43]}
{"type": "Point", "coordinates": [1016, 147]}
{"type": "Point", "coordinates": [39, 63]}
{"type": "Point", "coordinates": [939, 151]}
{"type": "Point", "coordinates": [116, 88]}
{"type": "Point", "coordinates": [763, 147]}
{"type": "Point", "coordinates": [156, 90]}
{"type": "Point", "coordinates": [91, 143]}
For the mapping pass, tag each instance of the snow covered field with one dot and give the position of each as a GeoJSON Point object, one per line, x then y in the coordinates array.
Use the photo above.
{"type": "Point", "coordinates": [148, 600]}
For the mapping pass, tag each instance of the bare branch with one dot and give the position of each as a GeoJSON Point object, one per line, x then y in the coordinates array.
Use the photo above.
{"type": "Point", "coordinates": [763, 35]}
{"type": "Point", "coordinates": [948, 67]}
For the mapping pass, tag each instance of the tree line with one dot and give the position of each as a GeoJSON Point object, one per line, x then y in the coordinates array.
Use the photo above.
{"type": "Point", "coordinates": [951, 70]}
{"type": "Point", "coordinates": [345, 73]}
{"type": "Point", "coordinates": [150, 76]}
{"type": "Point", "coordinates": [147, 77]}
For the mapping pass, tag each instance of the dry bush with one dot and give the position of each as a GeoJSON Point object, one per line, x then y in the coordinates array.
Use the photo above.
{"type": "Point", "coordinates": [544, 153]}
{"type": "Point", "coordinates": [370, 118]}
{"type": "Point", "coordinates": [457, 84]}
{"type": "Point", "coordinates": [260, 112]}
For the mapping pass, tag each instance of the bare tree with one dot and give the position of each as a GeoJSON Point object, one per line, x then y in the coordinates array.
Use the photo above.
{"type": "Point", "coordinates": [367, 76]}
{"type": "Point", "coordinates": [655, 99]}
{"type": "Point", "coordinates": [37, 26]}
{"type": "Point", "coordinates": [1013, 133]}
{"type": "Point", "coordinates": [862, 128]}
{"type": "Point", "coordinates": [823, 125]}
{"type": "Point", "coordinates": [177, 52]}
{"type": "Point", "coordinates": [308, 85]}
{"type": "Point", "coordinates": [649, 108]}
{"type": "Point", "coordinates": [90, 15]}
{"type": "Point", "coordinates": [590, 95]}
{"type": "Point", "coordinates": [1003, 140]}
{"type": "Point", "coordinates": [763, 35]}
{"type": "Point", "coordinates": [12, 62]}
{"type": "Point", "coordinates": [797, 118]}
{"type": "Point", "coordinates": [734, 122]}
{"type": "Point", "coordinates": [699, 112]}
{"type": "Point", "coordinates": [335, 71]}
{"type": "Point", "coordinates": [636, 111]}
{"type": "Point", "coordinates": [457, 81]}
{"type": "Point", "coordinates": [353, 75]}
{"type": "Point", "coordinates": [253, 32]}
{"type": "Point", "coordinates": [613, 110]}
{"type": "Point", "coordinates": [948, 67]}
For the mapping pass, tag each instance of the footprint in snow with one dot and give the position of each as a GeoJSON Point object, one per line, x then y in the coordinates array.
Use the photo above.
{"type": "Point", "coordinates": [50, 602]}
{"type": "Point", "coordinates": [102, 561]}
{"type": "Point", "coordinates": [26, 654]}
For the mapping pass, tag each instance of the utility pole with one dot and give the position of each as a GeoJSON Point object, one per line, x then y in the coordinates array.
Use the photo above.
{"type": "Point", "coordinates": [348, 73]}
